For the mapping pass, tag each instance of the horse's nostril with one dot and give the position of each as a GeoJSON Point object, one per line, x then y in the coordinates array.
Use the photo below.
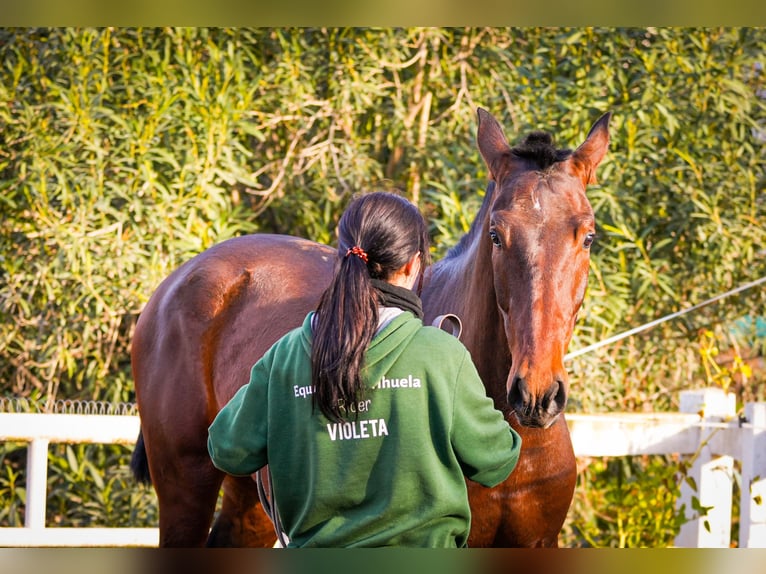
{"type": "Point", "coordinates": [555, 397]}
{"type": "Point", "coordinates": [519, 397]}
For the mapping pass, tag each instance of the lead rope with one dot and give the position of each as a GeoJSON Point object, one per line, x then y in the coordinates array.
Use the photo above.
{"type": "Point", "coordinates": [449, 323]}
{"type": "Point", "coordinates": [269, 505]}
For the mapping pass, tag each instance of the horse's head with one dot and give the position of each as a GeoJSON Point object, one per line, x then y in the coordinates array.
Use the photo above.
{"type": "Point", "coordinates": [539, 229]}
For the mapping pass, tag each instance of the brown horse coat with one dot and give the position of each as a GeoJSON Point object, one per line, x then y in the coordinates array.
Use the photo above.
{"type": "Point", "coordinates": [516, 280]}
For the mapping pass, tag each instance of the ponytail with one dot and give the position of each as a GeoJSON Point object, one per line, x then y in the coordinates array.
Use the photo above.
{"type": "Point", "coordinates": [377, 235]}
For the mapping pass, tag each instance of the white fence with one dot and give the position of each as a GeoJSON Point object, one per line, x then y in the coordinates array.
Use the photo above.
{"type": "Point", "coordinates": [707, 428]}
{"type": "Point", "coordinates": [39, 430]}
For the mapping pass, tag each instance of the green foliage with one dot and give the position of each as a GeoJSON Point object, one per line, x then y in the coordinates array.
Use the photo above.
{"type": "Point", "coordinates": [124, 152]}
{"type": "Point", "coordinates": [637, 511]}
{"type": "Point", "coordinates": [91, 485]}
{"type": "Point", "coordinates": [13, 491]}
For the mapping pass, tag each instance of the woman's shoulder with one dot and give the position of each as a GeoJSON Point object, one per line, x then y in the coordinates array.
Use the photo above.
{"type": "Point", "coordinates": [439, 337]}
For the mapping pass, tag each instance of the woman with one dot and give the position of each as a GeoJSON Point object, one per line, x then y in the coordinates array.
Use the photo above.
{"type": "Point", "coordinates": [368, 420]}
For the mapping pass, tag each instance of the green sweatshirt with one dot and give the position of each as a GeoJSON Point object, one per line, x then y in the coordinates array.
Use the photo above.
{"type": "Point", "coordinates": [393, 474]}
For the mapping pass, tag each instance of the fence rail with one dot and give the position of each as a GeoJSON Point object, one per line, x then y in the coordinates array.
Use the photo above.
{"type": "Point", "coordinates": [707, 428]}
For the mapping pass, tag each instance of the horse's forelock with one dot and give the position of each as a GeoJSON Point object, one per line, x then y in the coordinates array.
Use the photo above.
{"type": "Point", "coordinates": [538, 147]}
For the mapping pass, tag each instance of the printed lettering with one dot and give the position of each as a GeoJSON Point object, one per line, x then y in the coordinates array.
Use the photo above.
{"type": "Point", "coordinates": [303, 392]}
{"type": "Point", "coordinates": [398, 383]}
{"type": "Point", "coordinates": [355, 430]}
{"type": "Point", "coordinates": [362, 406]}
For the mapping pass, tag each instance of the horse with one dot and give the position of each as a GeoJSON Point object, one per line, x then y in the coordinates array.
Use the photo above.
{"type": "Point", "coordinates": [516, 279]}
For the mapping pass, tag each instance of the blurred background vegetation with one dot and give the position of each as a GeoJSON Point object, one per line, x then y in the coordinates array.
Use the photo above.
{"type": "Point", "coordinates": [124, 152]}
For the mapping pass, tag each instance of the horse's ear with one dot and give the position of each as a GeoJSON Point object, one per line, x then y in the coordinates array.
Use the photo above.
{"type": "Point", "coordinates": [587, 157]}
{"type": "Point", "coordinates": [491, 140]}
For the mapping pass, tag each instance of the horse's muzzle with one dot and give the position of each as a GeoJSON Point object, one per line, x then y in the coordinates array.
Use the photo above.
{"type": "Point", "coordinates": [536, 409]}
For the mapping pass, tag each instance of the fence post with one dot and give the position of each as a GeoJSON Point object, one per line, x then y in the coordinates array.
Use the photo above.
{"type": "Point", "coordinates": [712, 476]}
{"type": "Point", "coordinates": [752, 524]}
{"type": "Point", "coordinates": [37, 483]}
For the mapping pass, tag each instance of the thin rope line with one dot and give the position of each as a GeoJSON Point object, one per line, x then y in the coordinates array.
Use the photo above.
{"type": "Point", "coordinates": [656, 322]}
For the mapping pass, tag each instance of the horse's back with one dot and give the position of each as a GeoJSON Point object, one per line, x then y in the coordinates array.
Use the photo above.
{"type": "Point", "coordinates": [214, 316]}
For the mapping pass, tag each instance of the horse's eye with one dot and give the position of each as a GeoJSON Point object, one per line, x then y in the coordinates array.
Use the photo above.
{"type": "Point", "coordinates": [495, 238]}
{"type": "Point", "coordinates": [589, 239]}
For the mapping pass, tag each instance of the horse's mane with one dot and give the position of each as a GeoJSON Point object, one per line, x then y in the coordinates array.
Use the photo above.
{"type": "Point", "coordinates": [537, 148]}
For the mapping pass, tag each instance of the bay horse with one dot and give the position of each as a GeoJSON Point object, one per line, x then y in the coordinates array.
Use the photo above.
{"type": "Point", "coordinates": [517, 279]}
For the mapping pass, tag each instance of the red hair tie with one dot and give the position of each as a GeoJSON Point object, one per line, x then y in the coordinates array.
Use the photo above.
{"type": "Point", "coordinates": [358, 251]}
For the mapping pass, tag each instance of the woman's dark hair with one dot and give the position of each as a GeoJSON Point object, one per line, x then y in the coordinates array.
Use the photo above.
{"type": "Point", "coordinates": [387, 231]}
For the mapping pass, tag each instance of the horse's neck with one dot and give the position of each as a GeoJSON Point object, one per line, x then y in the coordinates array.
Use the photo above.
{"type": "Point", "coordinates": [464, 285]}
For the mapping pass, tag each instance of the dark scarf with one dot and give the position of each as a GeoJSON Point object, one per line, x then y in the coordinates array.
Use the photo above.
{"type": "Point", "coordinates": [395, 296]}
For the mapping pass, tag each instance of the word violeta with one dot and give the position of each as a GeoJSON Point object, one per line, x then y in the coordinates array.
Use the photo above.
{"type": "Point", "coordinates": [357, 429]}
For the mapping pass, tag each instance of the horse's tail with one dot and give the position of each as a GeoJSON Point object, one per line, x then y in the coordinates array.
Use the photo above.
{"type": "Point", "coordinates": [139, 463]}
